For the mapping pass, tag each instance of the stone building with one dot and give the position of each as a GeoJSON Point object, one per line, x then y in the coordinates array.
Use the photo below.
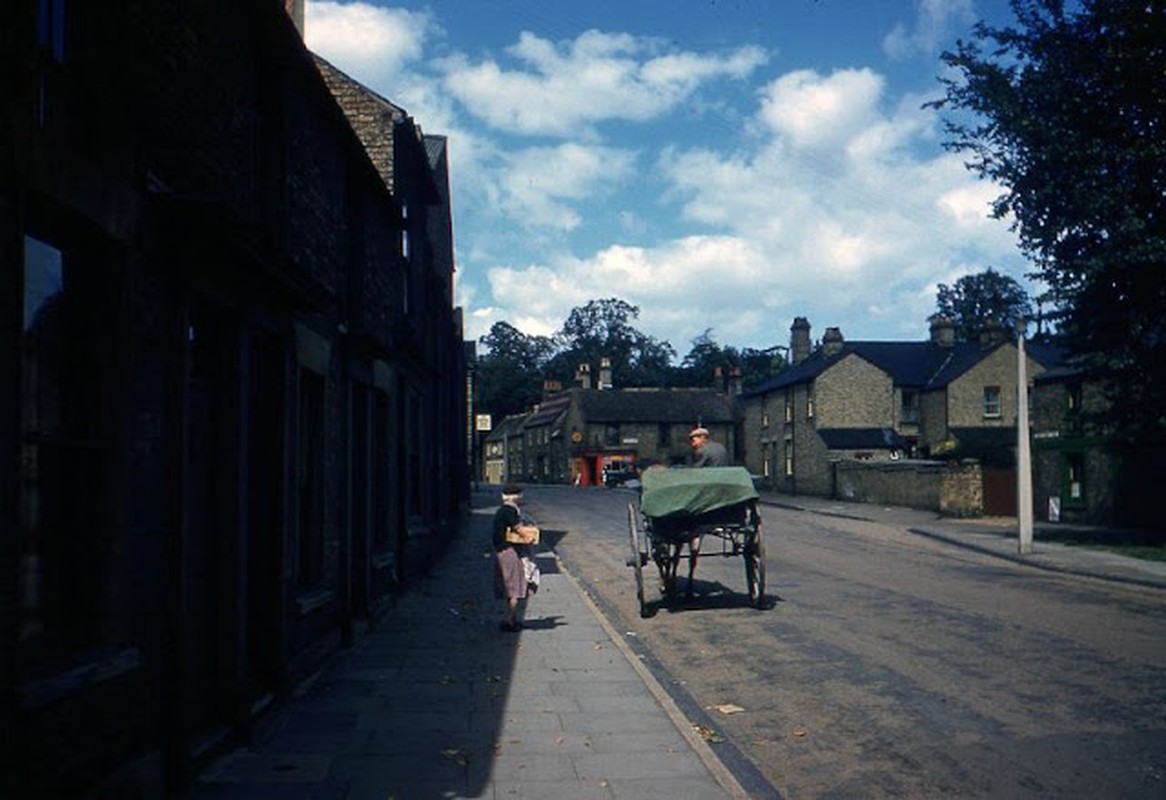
{"type": "Point", "coordinates": [1082, 473]}
{"type": "Point", "coordinates": [573, 435]}
{"type": "Point", "coordinates": [871, 401]}
{"type": "Point", "coordinates": [236, 414]}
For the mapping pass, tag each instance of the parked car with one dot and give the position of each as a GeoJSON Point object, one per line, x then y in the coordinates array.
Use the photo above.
{"type": "Point", "coordinates": [620, 476]}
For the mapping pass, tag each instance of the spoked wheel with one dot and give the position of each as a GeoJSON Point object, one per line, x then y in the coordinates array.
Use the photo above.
{"type": "Point", "coordinates": [638, 559]}
{"type": "Point", "coordinates": [755, 569]}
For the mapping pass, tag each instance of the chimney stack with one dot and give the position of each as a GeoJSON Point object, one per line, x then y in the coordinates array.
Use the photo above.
{"type": "Point", "coordinates": [799, 340]}
{"type": "Point", "coordinates": [735, 381]}
{"type": "Point", "coordinates": [832, 342]}
{"type": "Point", "coordinates": [942, 331]}
{"type": "Point", "coordinates": [583, 375]}
{"type": "Point", "coordinates": [605, 373]}
{"type": "Point", "coordinates": [993, 333]}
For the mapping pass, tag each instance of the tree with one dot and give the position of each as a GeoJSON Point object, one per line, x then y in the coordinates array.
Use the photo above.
{"type": "Point", "coordinates": [975, 301]}
{"type": "Point", "coordinates": [508, 378]}
{"type": "Point", "coordinates": [699, 366]}
{"type": "Point", "coordinates": [603, 329]}
{"type": "Point", "coordinates": [1067, 112]}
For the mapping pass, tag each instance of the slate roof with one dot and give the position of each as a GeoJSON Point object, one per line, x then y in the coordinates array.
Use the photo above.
{"type": "Point", "coordinates": [862, 439]}
{"type": "Point", "coordinates": [507, 427]}
{"type": "Point", "coordinates": [687, 406]}
{"type": "Point", "coordinates": [913, 365]}
{"type": "Point", "coordinates": [548, 411]}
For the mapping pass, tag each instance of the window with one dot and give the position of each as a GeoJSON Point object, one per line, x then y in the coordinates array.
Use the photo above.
{"type": "Point", "coordinates": [611, 435]}
{"type": "Point", "coordinates": [789, 407]}
{"type": "Point", "coordinates": [60, 566]}
{"type": "Point", "coordinates": [766, 455]}
{"type": "Point", "coordinates": [310, 481]}
{"type": "Point", "coordinates": [1073, 413]}
{"type": "Point", "coordinates": [789, 457]}
{"type": "Point", "coordinates": [809, 405]}
{"type": "Point", "coordinates": [909, 407]}
{"type": "Point", "coordinates": [764, 417]}
{"type": "Point", "coordinates": [1074, 491]}
{"type": "Point", "coordinates": [991, 401]}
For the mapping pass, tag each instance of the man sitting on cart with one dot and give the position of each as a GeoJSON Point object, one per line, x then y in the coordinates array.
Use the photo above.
{"type": "Point", "coordinates": [705, 452]}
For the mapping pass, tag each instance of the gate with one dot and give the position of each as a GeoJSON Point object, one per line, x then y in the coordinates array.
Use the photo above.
{"type": "Point", "coordinates": [999, 492]}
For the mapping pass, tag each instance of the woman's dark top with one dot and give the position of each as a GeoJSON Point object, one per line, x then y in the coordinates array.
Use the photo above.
{"type": "Point", "coordinates": [506, 516]}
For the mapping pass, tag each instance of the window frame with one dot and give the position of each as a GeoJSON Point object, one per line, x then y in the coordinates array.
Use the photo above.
{"type": "Point", "coordinates": [992, 399]}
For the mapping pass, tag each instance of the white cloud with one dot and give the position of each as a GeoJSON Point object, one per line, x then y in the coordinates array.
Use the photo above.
{"type": "Point", "coordinates": [828, 199]}
{"type": "Point", "coordinates": [537, 185]}
{"type": "Point", "coordinates": [934, 21]}
{"type": "Point", "coordinates": [564, 89]}
{"type": "Point", "coordinates": [812, 111]}
{"type": "Point", "coordinates": [363, 39]}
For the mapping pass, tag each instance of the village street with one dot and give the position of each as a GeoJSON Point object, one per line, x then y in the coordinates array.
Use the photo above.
{"type": "Point", "coordinates": [888, 664]}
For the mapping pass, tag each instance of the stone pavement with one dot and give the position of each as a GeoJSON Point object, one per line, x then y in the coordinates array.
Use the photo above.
{"type": "Point", "coordinates": [437, 702]}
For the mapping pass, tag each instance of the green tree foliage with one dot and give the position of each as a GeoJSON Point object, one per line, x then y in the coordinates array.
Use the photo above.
{"type": "Point", "coordinates": [512, 366]}
{"type": "Point", "coordinates": [508, 378]}
{"type": "Point", "coordinates": [698, 368]}
{"type": "Point", "coordinates": [1066, 109]}
{"type": "Point", "coordinates": [604, 328]}
{"type": "Point", "coordinates": [975, 301]}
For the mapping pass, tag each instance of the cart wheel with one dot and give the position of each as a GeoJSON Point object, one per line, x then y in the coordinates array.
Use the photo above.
{"type": "Point", "coordinates": [636, 562]}
{"type": "Point", "coordinates": [755, 570]}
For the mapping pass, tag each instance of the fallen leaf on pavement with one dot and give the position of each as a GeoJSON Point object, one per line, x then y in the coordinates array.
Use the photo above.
{"type": "Point", "coordinates": [729, 708]}
{"type": "Point", "coordinates": [708, 734]}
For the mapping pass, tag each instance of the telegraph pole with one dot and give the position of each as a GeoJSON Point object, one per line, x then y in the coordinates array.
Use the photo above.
{"type": "Point", "coordinates": [1023, 449]}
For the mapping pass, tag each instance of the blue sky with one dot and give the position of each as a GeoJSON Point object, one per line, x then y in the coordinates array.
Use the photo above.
{"type": "Point", "coordinates": [725, 165]}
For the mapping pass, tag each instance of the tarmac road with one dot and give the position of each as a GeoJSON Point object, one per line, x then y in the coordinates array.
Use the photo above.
{"type": "Point", "coordinates": [893, 665]}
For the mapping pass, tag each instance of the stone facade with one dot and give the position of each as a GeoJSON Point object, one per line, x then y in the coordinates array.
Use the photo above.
{"type": "Point", "coordinates": [573, 435]}
{"type": "Point", "coordinates": [952, 489]}
{"type": "Point", "coordinates": [237, 418]}
{"type": "Point", "coordinates": [1081, 474]}
{"type": "Point", "coordinates": [875, 402]}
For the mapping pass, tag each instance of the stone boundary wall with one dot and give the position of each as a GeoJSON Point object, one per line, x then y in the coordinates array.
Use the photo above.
{"type": "Point", "coordinates": [955, 490]}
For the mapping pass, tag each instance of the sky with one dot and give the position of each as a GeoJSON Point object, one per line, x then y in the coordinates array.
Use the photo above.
{"type": "Point", "coordinates": [723, 165]}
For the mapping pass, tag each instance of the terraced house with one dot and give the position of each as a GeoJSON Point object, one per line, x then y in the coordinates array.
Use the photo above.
{"type": "Point", "coordinates": [575, 435]}
{"type": "Point", "coordinates": [868, 419]}
{"type": "Point", "coordinates": [233, 409]}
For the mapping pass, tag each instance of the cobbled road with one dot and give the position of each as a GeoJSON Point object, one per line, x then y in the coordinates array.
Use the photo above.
{"type": "Point", "coordinates": [887, 665]}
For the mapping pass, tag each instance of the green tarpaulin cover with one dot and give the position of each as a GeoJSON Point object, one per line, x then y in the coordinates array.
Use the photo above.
{"type": "Point", "coordinates": [693, 491]}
